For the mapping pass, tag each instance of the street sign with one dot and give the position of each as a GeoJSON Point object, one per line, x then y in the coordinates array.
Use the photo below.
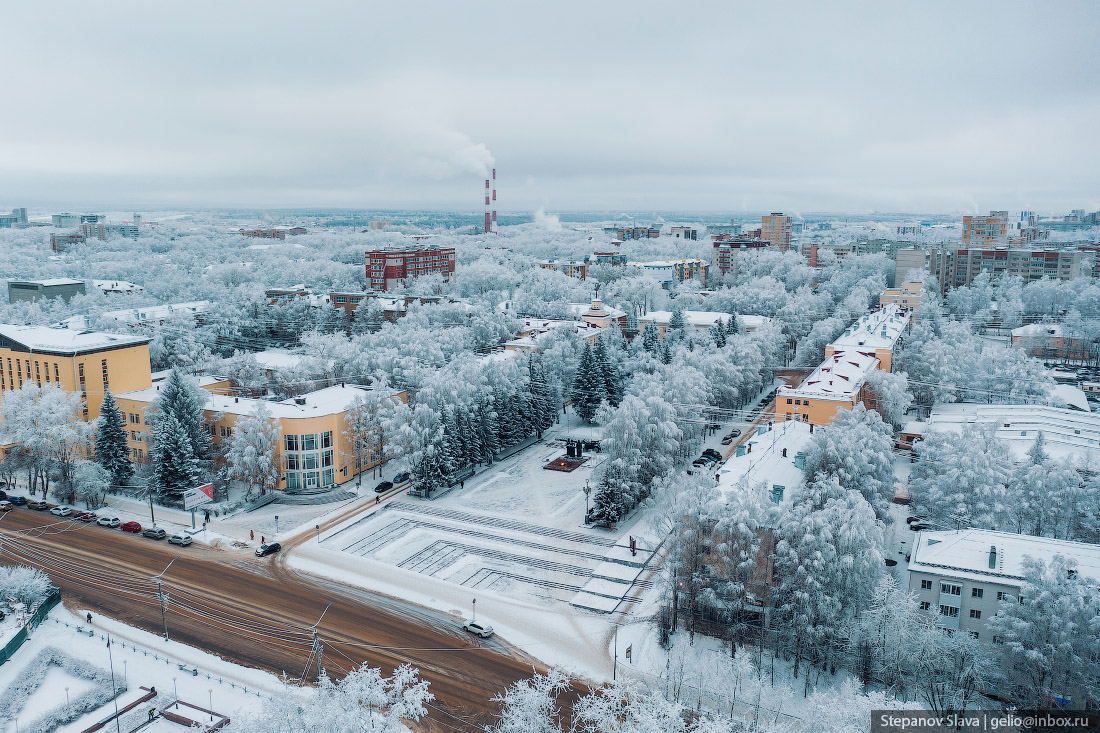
{"type": "Point", "coordinates": [199, 495]}
{"type": "Point", "coordinates": [629, 651]}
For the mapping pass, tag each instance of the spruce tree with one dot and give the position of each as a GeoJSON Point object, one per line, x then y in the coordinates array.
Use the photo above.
{"type": "Point", "coordinates": [676, 324]}
{"type": "Point", "coordinates": [718, 333]}
{"type": "Point", "coordinates": [731, 325]}
{"type": "Point", "coordinates": [588, 386]}
{"type": "Point", "coordinates": [111, 450]}
{"type": "Point", "coordinates": [543, 410]}
{"type": "Point", "coordinates": [489, 431]}
{"type": "Point", "coordinates": [611, 493]}
{"type": "Point", "coordinates": [182, 399]}
{"type": "Point", "coordinates": [666, 353]}
{"type": "Point", "coordinates": [612, 381]}
{"type": "Point", "coordinates": [651, 338]}
{"type": "Point", "coordinates": [174, 466]}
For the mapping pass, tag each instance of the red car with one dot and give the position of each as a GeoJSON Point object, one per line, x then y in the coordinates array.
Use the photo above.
{"type": "Point", "coordinates": [86, 517]}
{"type": "Point", "coordinates": [6, 506]}
{"type": "Point", "coordinates": [130, 527]}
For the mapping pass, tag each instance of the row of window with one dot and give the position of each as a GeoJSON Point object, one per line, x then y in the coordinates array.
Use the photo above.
{"type": "Point", "coordinates": [296, 461]}
{"type": "Point", "coordinates": [799, 402]}
{"type": "Point", "coordinates": [954, 589]}
{"type": "Point", "coordinates": [8, 379]}
{"type": "Point", "coordinates": [308, 442]}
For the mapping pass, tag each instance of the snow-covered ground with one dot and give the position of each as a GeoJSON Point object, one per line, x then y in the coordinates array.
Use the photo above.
{"type": "Point", "coordinates": [140, 659]}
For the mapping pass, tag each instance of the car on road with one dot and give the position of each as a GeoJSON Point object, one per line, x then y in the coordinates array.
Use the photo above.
{"type": "Point", "coordinates": [130, 527]}
{"type": "Point", "coordinates": [154, 533]}
{"type": "Point", "coordinates": [728, 440]}
{"type": "Point", "coordinates": [482, 630]}
{"type": "Point", "coordinates": [400, 478]}
{"type": "Point", "coordinates": [384, 486]}
{"type": "Point", "coordinates": [18, 500]}
{"type": "Point", "coordinates": [111, 522]}
{"type": "Point", "coordinates": [712, 452]}
{"type": "Point", "coordinates": [269, 548]}
{"type": "Point", "coordinates": [734, 433]}
{"type": "Point", "coordinates": [6, 506]}
{"type": "Point", "coordinates": [3, 495]}
{"type": "Point", "coordinates": [86, 517]}
{"type": "Point", "coordinates": [38, 505]}
{"type": "Point", "coordinates": [182, 540]}
{"type": "Point", "coordinates": [61, 511]}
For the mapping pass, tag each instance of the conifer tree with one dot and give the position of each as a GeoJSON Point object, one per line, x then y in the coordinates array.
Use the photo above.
{"type": "Point", "coordinates": [588, 386]}
{"type": "Point", "coordinates": [666, 353]}
{"type": "Point", "coordinates": [718, 333]}
{"type": "Point", "coordinates": [612, 380]}
{"type": "Point", "coordinates": [174, 466]}
{"type": "Point", "coordinates": [676, 323]}
{"type": "Point", "coordinates": [542, 408]}
{"type": "Point", "coordinates": [111, 450]}
{"type": "Point", "coordinates": [182, 399]}
{"type": "Point", "coordinates": [608, 502]}
{"type": "Point", "coordinates": [731, 325]}
{"type": "Point", "coordinates": [651, 338]}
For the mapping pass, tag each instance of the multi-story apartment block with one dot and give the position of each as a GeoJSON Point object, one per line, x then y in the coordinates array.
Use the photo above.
{"type": "Point", "coordinates": [906, 295]}
{"type": "Point", "coordinates": [953, 268]}
{"type": "Point", "coordinates": [985, 231]}
{"type": "Point", "coordinates": [673, 272]}
{"type": "Point", "coordinates": [684, 233]}
{"type": "Point", "coordinates": [731, 229]}
{"type": "Point", "coordinates": [967, 574]}
{"type": "Point", "coordinates": [72, 221]}
{"type": "Point", "coordinates": [622, 233]}
{"type": "Point", "coordinates": [727, 249]}
{"type": "Point", "coordinates": [776, 229]}
{"type": "Point", "coordinates": [273, 232]}
{"type": "Point", "coordinates": [102, 231]}
{"type": "Point", "coordinates": [32, 290]}
{"type": "Point", "coordinates": [839, 383]}
{"type": "Point", "coordinates": [1051, 342]}
{"type": "Point", "coordinates": [607, 258]}
{"type": "Point", "coordinates": [572, 268]}
{"type": "Point", "coordinates": [64, 242]}
{"type": "Point", "coordinates": [313, 452]}
{"type": "Point", "coordinates": [387, 268]}
{"type": "Point", "coordinates": [78, 361]}
{"type": "Point", "coordinates": [16, 217]}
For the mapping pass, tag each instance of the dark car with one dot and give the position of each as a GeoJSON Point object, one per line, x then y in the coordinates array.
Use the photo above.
{"type": "Point", "coordinates": [384, 486]}
{"type": "Point", "coordinates": [401, 478]}
{"type": "Point", "coordinates": [38, 505]}
{"type": "Point", "coordinates": [3, 495]}
{"type": "Point", "coordinates": [131, 527]}
{"type": "Point", "coordinates": [6, 506]}
{"type": "Point", "coordinates": [86, 517]}
{"type": "Point", "coordinates": [734, 433]}
{"type": "Point", "coordinates": [728, 440]}
{"type": "Point", "coordinates": [18, 500]}
{"type": "Point", "coordinates": [155, 533]}
{"type": "Point", "coordinates": [269, 548]}
{"type": "Point", "coordinates": [711, 452]}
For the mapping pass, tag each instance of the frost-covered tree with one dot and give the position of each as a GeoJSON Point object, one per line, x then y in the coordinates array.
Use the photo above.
{"type": "Point", "coordinates": [609, 372]}
{"type": "Point", "coordinates": [46, 422]}
{"type": "Point", "coordinates": [589, 386]}
{"type": "Point", "coordinates": [92, 482]}
{"type": "Point", "coordinates": [651, 338]}
{"type": "Point", "coordinates": [111, 450]}
{"type": "Point", "coordinates": [891, 396]}
{"type": "Point", "coordinates": [627, 708]}
{"type": "Point", "coordinates": [182, 399]}
{"type": "Point", "coordinates": [676, 324]}
{"type": "Point", "coordinates": [363, 425]}
{"type": "Point", "coordinates": [1048, 638]}
{"type": "Point", "coordinates": [531, 705]}
{"type": "Point", "coordinates": [364, 700]}
{"type": "Point", "coordinates": [544, 409]}
{"type": "Point", "coordinates": [962, 480]}
{"type": "Point", "coordinates": [26, 585]}
{"type": "Point", "coordinates": [252, 455]}
{"type": "Point", "coordinates": [857, 448]}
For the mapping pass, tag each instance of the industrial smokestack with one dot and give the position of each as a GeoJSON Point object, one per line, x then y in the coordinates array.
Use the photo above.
{"type": "Point", "coordinates": [494, 201]}
{"type": "Point", "coordinates": [488, 214]}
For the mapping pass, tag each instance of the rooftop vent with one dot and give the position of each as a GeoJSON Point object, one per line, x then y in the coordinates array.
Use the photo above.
{"type": "Point", "coordinates": [299, 400]}
{"type": "Point", "coordinates": [992, 557]}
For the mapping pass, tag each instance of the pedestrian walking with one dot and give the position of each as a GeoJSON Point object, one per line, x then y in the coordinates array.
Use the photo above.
{"type": "Point", "coordinates": [251, 534]}
{"type": "Point", "coordinates": [89, 618]}
{"type": "Point", "coordinates": [262, 540]}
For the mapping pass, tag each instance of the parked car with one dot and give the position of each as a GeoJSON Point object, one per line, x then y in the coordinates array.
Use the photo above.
{"type": "Point", "coordinates": [269, 548]}
{"type": "Point", "coordinates": [3, 494]}
{"type": "Point", "coordinates": [384, 486]}
{"type": "Point", "coordinates": [6, 506]}
{"type": "Point", "coordinates": [61, 511]}
{"type": "Point", "coordinates": [482, 630]}
{"type": "Point", "coordinates": [86, 517]}
{"type": "Point", "coordinates": [734, 433]}
{"type": "Point", "coordinates": [130, 527]}
{"type": "Point", "coordinates": [917, 526]}
{"type": "Point", "coordinates": [728, 440]}
{"type": "Point", "coordinates": [707, 458]}
{"type": "Point", "coordinates": [111, 522]}
{"type": "Point", "coordinates": [18, 500]}
{"type": "Point", "coordinates": [38, 505]}
{"type": "Point", "coordinates": [400, 478]}
{"type": "Point", "coordinates": [183, 540]}
{"type": "Point", "coordinates": [712, 452]}
{"type": "Point", "coordinates": [154, 533]}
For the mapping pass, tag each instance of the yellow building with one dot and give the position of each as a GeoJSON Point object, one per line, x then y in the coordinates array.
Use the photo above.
{"type": "Point", "coordinates": [87, 362]}
{"type": "Point", "coordinates": [533, 329]}
{"type": "Point", "coordinates": [313, 453]}
{"type": "Point", "coordinates": [906, 296]}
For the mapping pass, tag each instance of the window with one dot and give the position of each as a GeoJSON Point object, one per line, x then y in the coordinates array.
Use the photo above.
{"type": "Point", "coordinates": [925, 605]}
{"type": "Point", "coordinates": [104, 364]}
{"type": "Point", "coordinates": [290, 442]}
{"type": "Point", "coordinates": [309, 460]}
{"type": "Point", "coordinates": [292, 463]}
{"type": "Point", "coordinates": [326, 439]}
{"type": "Point", "coordinates": [998, 640]}
{"type": "Point", "coordinates": [798, 402]}
{"type": "Point", "coordinates": [926, 585]}
{"type": "Point", "coordinates": [976, 592]}
{"type": "Point", "coordinates": [309, 442]}
{"type": "Point", "coordinates": [949, 612]}
{"type": "Point", "coordinates": [327, 477]}
{"type": "Point", "coordinates": [56, 373]}
{"type": "Point", "coordinates": [950, 589]}
{"type": "Point", "coordinates": [80, 370]}
{"type": "Point", "coordinates": [975, 613]}
{"type": "Point", "coordinates": [293, 481]}
{"type": "Point", "coordinates": [789, 401]}
{"type": "Point", "coordinates": [326, 458]}
{"type": "Point", "coordinates": [141, 455]}
{"type": "Point", "coordinates": [973, 634]}
{"type": "Point", "coordinates": [1002, 596]}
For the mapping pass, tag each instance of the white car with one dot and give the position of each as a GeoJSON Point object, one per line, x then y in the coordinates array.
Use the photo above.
{"type": "Point", "coordinates": [183, 540]}
{"type": "Point", "coordinates": [482, 630]}
{"type": "Point", "coordinates": [111, 522]}
{"type": "Point", "coordinates": [61, 511]}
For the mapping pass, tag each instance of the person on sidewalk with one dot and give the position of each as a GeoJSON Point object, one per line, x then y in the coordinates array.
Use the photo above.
{"type": "Point", "coordinates": [251, 534]}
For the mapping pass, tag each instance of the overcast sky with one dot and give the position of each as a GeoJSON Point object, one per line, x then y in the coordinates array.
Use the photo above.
{"type": "Point", "coordinates": [715, 106]}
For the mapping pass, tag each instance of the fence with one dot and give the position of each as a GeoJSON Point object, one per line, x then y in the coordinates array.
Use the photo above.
{"type": "Point", "coordinates": [36, 618]}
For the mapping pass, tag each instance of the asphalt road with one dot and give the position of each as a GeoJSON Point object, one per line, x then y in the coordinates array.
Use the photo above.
{"type": "Point", "coordinates": [257, 612]}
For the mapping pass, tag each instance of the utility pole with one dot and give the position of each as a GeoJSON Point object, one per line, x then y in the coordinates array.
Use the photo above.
{"type": "Point", "coordinates": [152, 519]}
{"type": "Point", "coordinates": [615, 663]}
{"type": "Point", "coordinates": [163, 598]}
{"type": "Point", "coordinates": [317, 648]}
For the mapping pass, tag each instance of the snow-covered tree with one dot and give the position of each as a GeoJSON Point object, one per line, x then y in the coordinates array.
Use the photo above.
{"type": "Point", "coordinates": [857, 448]}
{"type": "Point", "coordinates": [962, 480]}
{"type": "Point", "coordinates": [46, 423]}
{"type": "Point", "coordinates": [363, 425]}
{"type": "Point", "coordinates": [92, 482]}
{"type": "Point", "coordinates": [651, 338]}
{"type": "Point", "coordinates": [26, 585]}
{"type": "Point", "coordinates": [609, 372]}
{"type": "Point", "coordinates": [252, 454]}
{"type": "Point", "coordinates": [544, 409]}
{"type": "Point", "coordinates": [589, 386]}
{"type": "Point", "coordinates": [111, 450]}
{"type": "Point", "coordinates": [891, 395]}
{"type": "Point", "coordinates": [175, 469]}
{"type": "Point", "coordinates": [182, 399]}
{"type": "Point", "coordinates": [531, 705]}
{"type": "Point", "coordinates": [676, 324]}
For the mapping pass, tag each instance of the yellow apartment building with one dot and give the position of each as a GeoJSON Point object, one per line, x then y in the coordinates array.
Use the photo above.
{"type": "Point", "coordinates": [907, 295]}
{"type": "Point", "coordinates": [87, 362]}
{"type": "Point", "coordinates": [313, 452]}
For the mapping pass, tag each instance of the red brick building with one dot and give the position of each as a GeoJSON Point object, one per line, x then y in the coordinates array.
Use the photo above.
{"type": "Point", "coordinates": [387, 268]}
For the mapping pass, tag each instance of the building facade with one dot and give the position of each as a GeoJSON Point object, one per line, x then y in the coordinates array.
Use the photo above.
{"type": "Point", "coordinates": [673, 272]}
{"type": "Point", "coordinates": [727, 249]}
{"type": "Point", "coordinates": [953, 268]}
{"type": "Point", "coordinates": [572, 268]}
{"type": "Point", "coordinates": [907, 295]}
{"type": "Point", "coordinates": [33, 290]}
{"type": "Point", "coordinates": [64, 242]}
{"type": "Point", "coordinates": [389, 267]}
{"type": "Point", "coordinates": [776, 229]}
{"type": "Point", "coordinates": [78, 361]}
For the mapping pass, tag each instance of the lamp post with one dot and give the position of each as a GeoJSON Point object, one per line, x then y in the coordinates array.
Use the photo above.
{"type": "Point", "coordinates": [473, 604]}
{"type": "Point", "coordinates": [587, 491]}
{"type": "Point", "coordinates": [211, 693]}
{"type": "Point", "coordinates": [175, 694]}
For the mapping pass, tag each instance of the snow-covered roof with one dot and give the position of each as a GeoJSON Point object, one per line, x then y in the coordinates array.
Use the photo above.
{"type": "Point", "coordinates": [52, 282]}
{"type": "Point", "coordinates": [580, 309]}
{"type": "Point", "coordinates": [119, 286]}
{"type": "Point", "coordinates": [766, 463]}
{"type": "Point", "coordinates": [327, 401]}
{"type": "Point", "coordinates": [1065, 432]}
{"type": "Point", "coordinates": [64, 340]}
{"type": "Point", "coordinates": [1072, 397]}
{"type": "Point", "coordinates": [839, 377]}
{"type": "Point", "coordinates": [282, 359]}
{"type": "Point", "coordinates": [965, 554]}
{"type": "Point", "coordinates": [146, 314]}
{"type": "Point", "coordinates": [535, 328]}
{"type": "Point", "coordinates": [1054, 330]}
{"type": "Point", "coordinates": [879, 329]}
{"type": "Point", "coordinates": [658, 264]}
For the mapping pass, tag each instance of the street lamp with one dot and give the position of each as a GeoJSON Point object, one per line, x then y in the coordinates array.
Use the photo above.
{"type": "Point", "coordinates": [587, 491]}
